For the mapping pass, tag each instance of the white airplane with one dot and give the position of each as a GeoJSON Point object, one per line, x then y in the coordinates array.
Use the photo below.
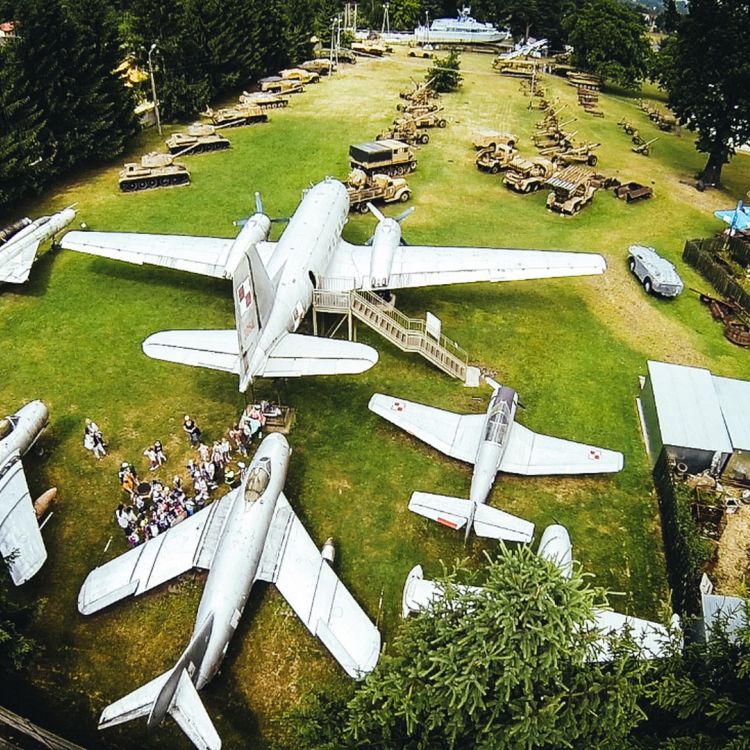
{"type": "Point", "coordinates": [21, 543]}
{"type": "Point", "coordinates": [274, 282]}
{"type": "Point", "coordinates": [652, 638]}
{"type": "Point", "coordinates": [493, 442]}
{"type": "Point", "coordinates": [251, 534]}
{"type": "Point", "coordinates": [19, 244]}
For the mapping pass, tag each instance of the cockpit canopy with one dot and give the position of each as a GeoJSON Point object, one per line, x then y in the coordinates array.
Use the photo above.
{"type": "Point", "coordinates": [7, 425]}
{"type": "Point", "coordinates": [257, 480]}
{"type": "Point", "coordinates": [499, 421]}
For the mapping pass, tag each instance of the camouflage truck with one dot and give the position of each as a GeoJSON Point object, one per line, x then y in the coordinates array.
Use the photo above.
{"type": "Point", "coordinates": [528, 175]}
{"type": "Point", "coordinates": [571, 190]}
{"type": "Point", "coordinates": [199, 139]}
{"type": "Point", "coordinates": [154, 171]}
{"type": "Point", "coordinates": [494, 158]}
{"type": "Point", "coordinates": [389, 157]}
{"type": "Point", "coordinates": [363, 188]}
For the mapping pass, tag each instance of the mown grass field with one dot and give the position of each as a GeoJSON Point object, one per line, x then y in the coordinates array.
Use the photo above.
{"type": "Point", "coordinates": [573, 348]}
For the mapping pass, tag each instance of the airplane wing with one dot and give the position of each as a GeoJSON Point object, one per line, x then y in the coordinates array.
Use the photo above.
{"type": "Point", "coordinates": [294, 564]}
{"type": "Point", "coordinates": [531, 453]}
{"type": "Point", "coordinates": [202, 255]}
{"type": "Point", "coordinates": [21, 543]}
{"type": "Point", "coordinates": [652, 637]}
{"type": "Point", "coordinates": [456, 435]}
{"type": "Point", "coordinates": [17, 269]}
{"type": "Point", "coordinates": [190, 544]}
{"type": "Point", "coordinates": [424, 265]}
{"type": "Point", "coordinates": [216, 350]}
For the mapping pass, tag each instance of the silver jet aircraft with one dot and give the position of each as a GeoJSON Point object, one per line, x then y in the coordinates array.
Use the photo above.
{"type": "Point", "coordinates": [251, 534]}
{"type": "Point", "coordinates": [652, 638]}
{"type": "Point", "coordinates": [274, 282]}
{"type": "Point", "coordinates": [21, 543]}
{"type": "Point", "coordinates": [493, 442]}
{"type": "Point", "coordinates": [18, 250]}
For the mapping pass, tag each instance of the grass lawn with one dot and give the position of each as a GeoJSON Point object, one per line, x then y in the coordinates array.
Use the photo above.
{"type": "Point", "coordinates": [573, 348]}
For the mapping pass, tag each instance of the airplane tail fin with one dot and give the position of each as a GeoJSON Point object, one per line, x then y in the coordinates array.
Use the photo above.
{"type": "Point", "coordinates": [253, 300]}
{"type": "Point", "coordinates": [171, 693]}
{"type": "Point", "coordinates": [456, 513]}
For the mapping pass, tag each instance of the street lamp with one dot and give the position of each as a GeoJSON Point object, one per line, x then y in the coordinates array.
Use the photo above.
{"type": "Point", "coordinates": [153, 87]}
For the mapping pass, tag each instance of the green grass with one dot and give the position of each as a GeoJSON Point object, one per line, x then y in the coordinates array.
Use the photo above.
{"type": "Point", "coordinates": [573, 348]}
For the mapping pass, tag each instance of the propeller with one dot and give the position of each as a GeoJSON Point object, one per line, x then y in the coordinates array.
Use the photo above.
{"type": "Point", "coordinates": [259, 210]}
{"type": "Point", "coordinates": [380, 216]}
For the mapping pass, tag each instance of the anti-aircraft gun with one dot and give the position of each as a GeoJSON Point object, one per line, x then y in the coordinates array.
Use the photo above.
{"type": "Point", "coordinates": [644, 147]}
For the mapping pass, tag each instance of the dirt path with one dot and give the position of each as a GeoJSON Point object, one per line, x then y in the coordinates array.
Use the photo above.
{"type": "Point", "coordinates": [732, 565]}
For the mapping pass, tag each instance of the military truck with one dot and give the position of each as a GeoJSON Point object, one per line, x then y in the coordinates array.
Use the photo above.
{"type": "Point", "coordinates": [404, 129]}
{"type": "Point", "coordinates": [264, 101]}
{"type": "Point", "coordinates": [494, 158]}
{"type": "Point", "coordinates": [199, 139]}
{"type": "Point", "coordinates": [237, 116]}
{"type": "Point", "coordinates": [528, 175]}
{"type": "Point", "coordinates": [571, 190]}
{"type": "Point", "coordinates": [154, 170]}
{"type": "Point", "coordinates": [390, 157]}
{"type": "Point", "coordinates": [279, 85]}
{"type": "Point", "coordinates": [492, 138]}
{"type": "Point", "coordinates": [300, 74]}
{"type": "Point", "coordinates": [363, 188]}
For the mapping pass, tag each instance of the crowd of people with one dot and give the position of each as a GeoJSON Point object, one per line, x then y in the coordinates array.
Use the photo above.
{"type": "Point", "coordinates": [153, 507]}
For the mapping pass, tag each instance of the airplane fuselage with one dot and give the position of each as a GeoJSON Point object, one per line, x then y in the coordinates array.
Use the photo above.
{"type": "Point", "coordinates": [301, 257]}
{"type": "Point", "coordinates": [498, 422]}
{"type": "Point", "coordinates": [238, 554]}
{"type": "Point", "coordinates": [27, 425]}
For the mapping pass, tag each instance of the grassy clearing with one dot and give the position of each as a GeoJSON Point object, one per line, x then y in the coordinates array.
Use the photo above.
{"type": "Point", "coordinates": [573, 348]}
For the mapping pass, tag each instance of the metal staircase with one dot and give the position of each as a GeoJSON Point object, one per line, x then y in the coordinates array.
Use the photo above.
{"type": "Point", "coordinates": [408, 334]}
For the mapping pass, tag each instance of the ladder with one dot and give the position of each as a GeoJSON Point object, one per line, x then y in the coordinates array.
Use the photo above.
{"type": "Point", "coordinates": [408, 334]}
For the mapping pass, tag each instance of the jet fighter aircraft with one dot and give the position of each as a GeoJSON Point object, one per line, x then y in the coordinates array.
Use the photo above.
{"type": "Point", "coordinates": [21, 543]}
{"type": "Point", "coordinates": [274, 282]}
{"type": "Point", "coordinates": [652, 638]}
{"type": "Point", "coordinates": [19, 244]}
{"type": "Point", "coordinates": [493, 442]}
{"type": "Point", "coordinates": [251, 534]}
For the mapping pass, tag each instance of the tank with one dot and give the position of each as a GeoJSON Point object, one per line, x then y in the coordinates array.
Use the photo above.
{"type": "Point", "coordinates": [263, 100]}
{"type": "Point", "coordinates": [237, 116]}
{"type": "Point", "coordinates": [154, 170]}
{"type": "Point", "coordinates": [199, 139]}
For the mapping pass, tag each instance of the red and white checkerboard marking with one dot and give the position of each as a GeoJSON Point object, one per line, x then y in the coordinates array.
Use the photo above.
{"type": "Point", "coordinates": [244, 297]}
{"type": "Point", "coordinates": [398, 406]}
{"type": "Point", "coordinates": [595, 454]}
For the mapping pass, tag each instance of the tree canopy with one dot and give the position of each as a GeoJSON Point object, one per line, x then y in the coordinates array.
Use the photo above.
{"type": "Point", "coordinates": [609, 39]}
{"type": "Point", "coordinates": [444, 72]}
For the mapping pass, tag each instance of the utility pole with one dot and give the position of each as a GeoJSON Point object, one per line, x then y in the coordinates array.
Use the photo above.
{"type": "Point", "coordinates": [386, 20]}
{"type": "Point", "coordinates": [153, 87]}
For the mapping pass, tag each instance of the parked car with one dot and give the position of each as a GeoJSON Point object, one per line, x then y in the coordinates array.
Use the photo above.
{"type": "Point", "coordinates": [657, 274]}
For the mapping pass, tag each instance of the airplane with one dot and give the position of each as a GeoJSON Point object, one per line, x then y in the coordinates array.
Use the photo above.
{"type": "Point", "coordinates": [21, 543]}
{"type": "Point", "coordinates": [252, 534]}
{"type": "Point", "coordinates": [493, 442]}
{"type": "Point", "coordinates": [273, 282]}
{"type": "Point", "coordinates": [20, 241]}
{"type": "Point", "coordinates": [738, 218]}
{"type": "Point", "coordinates": [652, 638]}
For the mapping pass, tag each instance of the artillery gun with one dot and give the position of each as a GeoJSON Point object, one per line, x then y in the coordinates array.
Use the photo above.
{"type": "Point", "coordinates": [571, 190]}
{"type": "Point", "coordinates": [154, 170]}
{"type": "Point", "coordinates": [264, 101]}
{"type": "Point", "coordinates": [627, 126]}
{"type": "Point", "coordinates": [553, 144]}
{"type": "Point", "coordinates": [644, 147]}
{"type": "Point", "coordinates": [200, 138]}
{"type": "Point", "coordinates": [418, 108]}
{"type": "Point", "coordinates": [528, 175]}
{"type": "Point", "coordinates": [421, 93]}
{"type": "Point", "coordinates": [237, 116]}
{"type": "Point", "coordinates": [581, 154]}
{"type": "Point", "coordinates": [550, 118]}
{"type": "Point", "coordinates": [494, 158]}
{"type": "Point", "coordinates": [364, 189]}
{"type": "Point", "coordinates": [404, 129]}
{"type": "Point", "coordinates": [431, 119]}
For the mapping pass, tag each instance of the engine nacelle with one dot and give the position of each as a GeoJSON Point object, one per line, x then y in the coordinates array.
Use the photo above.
{"type": "Point", "coordinates": [386, 239]}
{"type": "Point", "coordinates": [256, 230]}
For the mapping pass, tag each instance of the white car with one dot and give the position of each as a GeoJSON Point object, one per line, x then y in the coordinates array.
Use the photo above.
{"type": "Point", "coordinates": [657, 274]}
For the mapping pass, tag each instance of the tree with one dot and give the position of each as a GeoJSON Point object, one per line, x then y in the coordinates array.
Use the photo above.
{"type": "Point", "coordinates": [444, 72]}
{"type": "Point", "coordinates": [504, 667]}
{"type": "Point", "coordinates": [609, 39]}
{"type": "Point", "coordinates": [707, 75]}
{"type": "Point", "coordinates": [17, 650]}
{"type": "Point", "coordinates": [670, 18]}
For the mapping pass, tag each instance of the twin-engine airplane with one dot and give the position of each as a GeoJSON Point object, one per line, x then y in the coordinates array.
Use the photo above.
{"type": "Point", "coordinates": [274, 282]}
{"type": "Point", "coordinates": [21, 543]}
{"type": "Point", "coordinates": [493, 442]}
{"type": "Point", "coordinates": [252, 534]}
{"type": "Point", "coordinates": [20, 241]}
{"type": "Point", "coordinates": [651, 638]}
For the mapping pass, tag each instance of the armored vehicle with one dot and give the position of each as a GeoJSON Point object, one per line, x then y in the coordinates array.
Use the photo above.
{"type": "Point", "coordinates": [300, 74]}
{"type": "Point", "coordinates": [199, 139]}
{"type": "Point", "coordinates": [264, 101]}
{"type": "Point", "coordinates": [571, 190]}
{"type": "Point", "coordinates": [155, 170]}
{"type": "Point", "coordinates": [378, 187]}
{"type": "Point", "coordinates": [405, 130]}
{"type": "Point", "coordinates": [320, 65]}
{"type": "Point", "coordinates": [279, 85]}
{"type": "Point", "coordinates": [528, 175]}
{"type": "Point", "coordinates": [494, 158]}
{"type": "Point", "coordinates": [367, 47]}
{"type": "Point", "coordinates": [492, 138]}
{"type": "Point", "coordinates": [237, 116]}
{"type": "Point", "coordinates": [390, 157]}
{"type": "Point", "coordinates": [657, 274]}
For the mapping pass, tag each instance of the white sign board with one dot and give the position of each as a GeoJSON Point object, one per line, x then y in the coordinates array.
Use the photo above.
{"type": "Point", "coordinates": [433, 325]}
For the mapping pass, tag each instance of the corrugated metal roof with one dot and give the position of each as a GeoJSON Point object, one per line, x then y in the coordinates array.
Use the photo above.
{"type": "Point", "coordinates": [731, 609]}
{"type": "Point", "coordinates": [734, 397]}
{"type": "Point", "coordinates": [689, 411]}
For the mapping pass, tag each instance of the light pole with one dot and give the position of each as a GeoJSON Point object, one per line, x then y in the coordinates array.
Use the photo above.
{"type": "Point", "coordinates": [153, 88]}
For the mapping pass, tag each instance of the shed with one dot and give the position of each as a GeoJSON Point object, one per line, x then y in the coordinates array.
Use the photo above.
{"type": "Point", "coordinates": [682, 415]}
{"type": "Point", "coordinates": [734, 398]}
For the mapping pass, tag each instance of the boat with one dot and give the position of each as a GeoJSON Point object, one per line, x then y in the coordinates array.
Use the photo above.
{"type": "Point", "coordinates": [461, 30]}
